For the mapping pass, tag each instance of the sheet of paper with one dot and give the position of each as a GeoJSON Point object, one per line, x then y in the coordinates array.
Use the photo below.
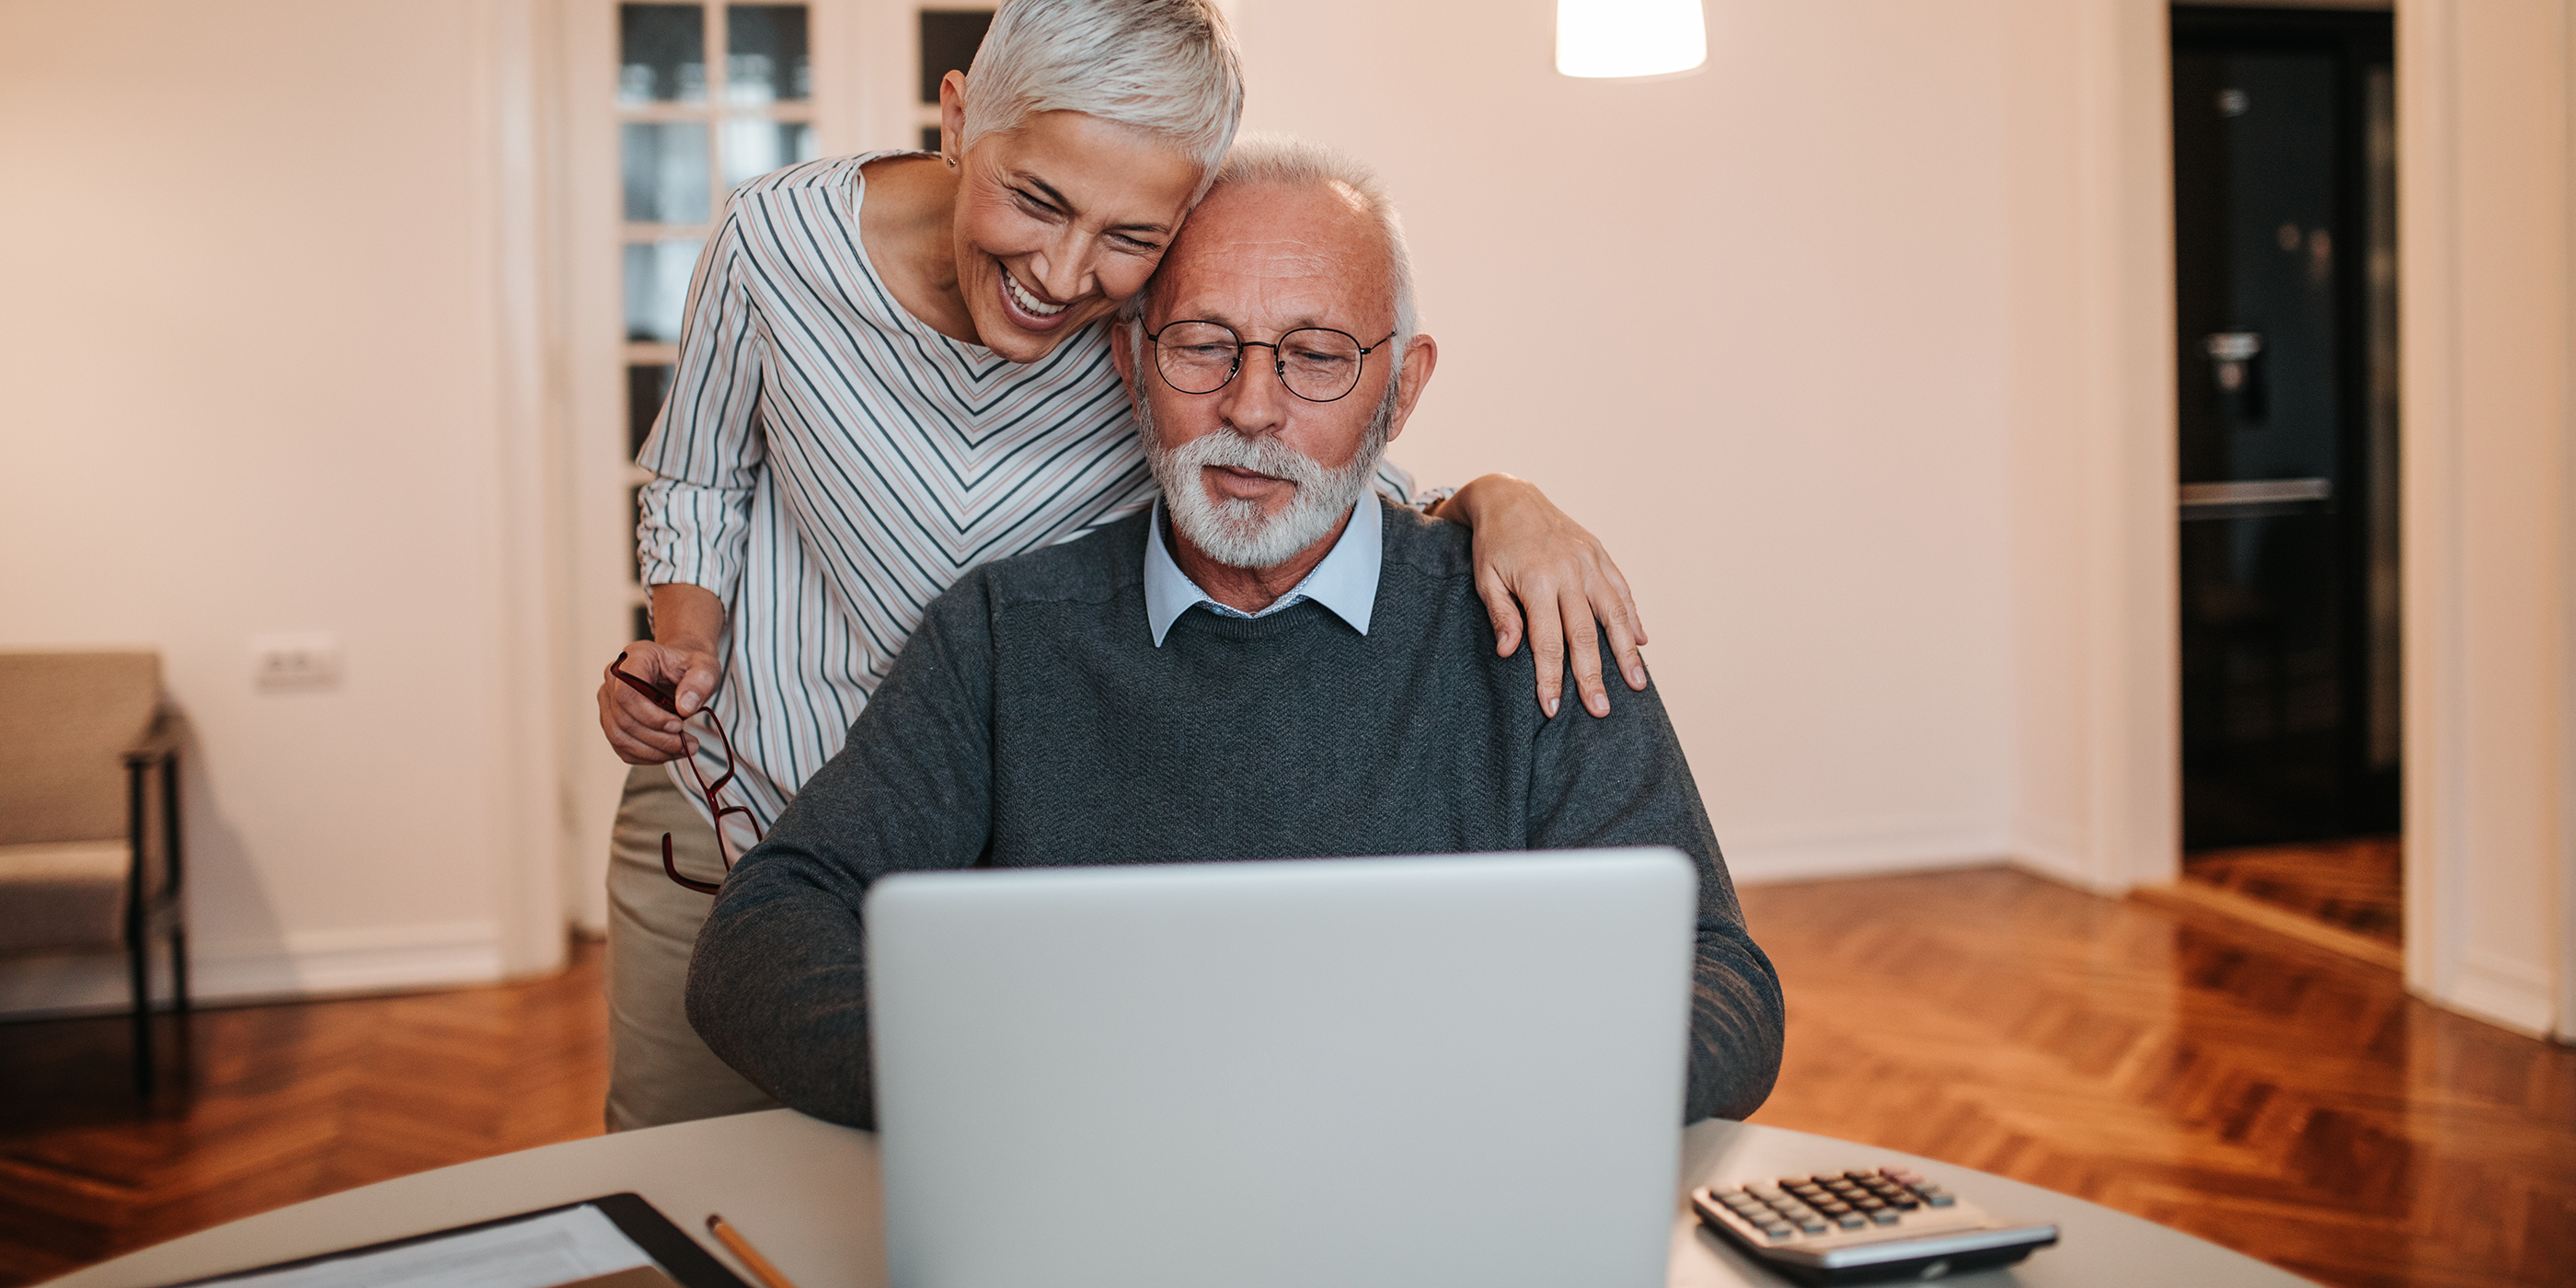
{"type": "Point", "coordinates": [540, 1252]}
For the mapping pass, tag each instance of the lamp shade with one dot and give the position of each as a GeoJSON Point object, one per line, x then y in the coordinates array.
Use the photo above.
{"type": "Point", "coordinates": [1609, 38]}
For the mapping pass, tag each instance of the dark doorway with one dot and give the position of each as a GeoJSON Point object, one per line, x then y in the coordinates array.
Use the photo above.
{"type": "Point", "coordinates": [2285, 258]}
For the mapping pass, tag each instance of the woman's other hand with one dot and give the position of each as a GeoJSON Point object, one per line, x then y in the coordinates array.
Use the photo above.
{"type": "Point", "coordinates": [1529, 554]}
{"type": "Point", "coordinates": [688, 621]}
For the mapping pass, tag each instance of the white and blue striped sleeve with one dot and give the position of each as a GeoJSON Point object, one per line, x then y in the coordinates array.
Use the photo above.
{"type": "Point", "coordinates": [1395, 480]}
{"type": "Point", "coordinates": [706, 450]}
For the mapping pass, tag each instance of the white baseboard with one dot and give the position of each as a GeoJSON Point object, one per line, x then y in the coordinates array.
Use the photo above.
{"type": "Point", "coordinates": [2516, 995]}
{"type": "Point", "coordinates": [313, 963]}
{"type": "Point", "coordinates": [1871, 850]}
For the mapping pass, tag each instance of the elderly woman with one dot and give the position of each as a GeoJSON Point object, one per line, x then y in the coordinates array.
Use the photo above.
{"type": "Point", "coordinates": [892, 369]}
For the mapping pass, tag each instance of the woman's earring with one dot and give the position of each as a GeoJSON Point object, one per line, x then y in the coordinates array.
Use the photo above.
{"type": "Point", "coordinates": [952, 161]}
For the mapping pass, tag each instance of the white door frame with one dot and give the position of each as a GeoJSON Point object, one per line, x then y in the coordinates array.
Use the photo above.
{"type": "Point", "coordinates": [2486, 114]}
{"type": "Point", "coordinates": [2485, 220]}
{"type": "Point", "coordinates": [2487, 209]}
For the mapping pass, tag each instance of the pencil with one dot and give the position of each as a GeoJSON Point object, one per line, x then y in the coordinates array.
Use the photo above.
{"type": "Point", "coordinates": [760, 1267]}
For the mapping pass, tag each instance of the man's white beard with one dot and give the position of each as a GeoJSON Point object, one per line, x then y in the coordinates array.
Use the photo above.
{"type": "Point", "coordinates": [1235, 532]}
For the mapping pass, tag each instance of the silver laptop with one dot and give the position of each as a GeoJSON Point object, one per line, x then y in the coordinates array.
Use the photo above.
{"type": "Point", "coordinates": [1461, 1069]}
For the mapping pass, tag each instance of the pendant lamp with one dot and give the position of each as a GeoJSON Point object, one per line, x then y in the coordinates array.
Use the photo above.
{"type": "Point", "coordinates": [1613, 38]}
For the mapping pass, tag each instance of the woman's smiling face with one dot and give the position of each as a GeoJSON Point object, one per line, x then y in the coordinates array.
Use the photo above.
{"type": "Point", "coordinates": [1058, 222]}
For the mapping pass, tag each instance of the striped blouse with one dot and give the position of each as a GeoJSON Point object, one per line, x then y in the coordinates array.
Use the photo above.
{"type": "Point", "coordinates": [827, 464]}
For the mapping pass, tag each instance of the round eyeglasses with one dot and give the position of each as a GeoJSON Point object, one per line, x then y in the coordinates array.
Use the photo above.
{"type": "Point", "coordinates": [1317, 364]}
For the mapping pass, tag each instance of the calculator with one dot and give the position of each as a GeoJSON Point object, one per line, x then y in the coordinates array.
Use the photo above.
{"type": "Point", "coordinates": [1855, 1227]}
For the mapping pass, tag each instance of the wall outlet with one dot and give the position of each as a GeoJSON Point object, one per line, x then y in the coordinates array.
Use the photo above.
{"type": "Point", "coordinates": [295, 663]}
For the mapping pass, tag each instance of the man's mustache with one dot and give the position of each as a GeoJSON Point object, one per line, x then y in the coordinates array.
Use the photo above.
{"type": "Point", "coordinates": [1260, 454]}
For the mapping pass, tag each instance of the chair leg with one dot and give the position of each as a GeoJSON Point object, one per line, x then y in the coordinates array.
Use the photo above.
{"type": "Point", "coordinates": [179, 968]}
{"type": "Point", "coordinates": [172, 883]}
{"type": "Point", "coordinates": [142, 961]}
{"type": "Point", "coordinates": [138, 943]}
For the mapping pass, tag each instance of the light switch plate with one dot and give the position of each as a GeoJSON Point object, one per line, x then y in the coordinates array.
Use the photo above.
{"type": "Point", "coordinates": [299, 663]}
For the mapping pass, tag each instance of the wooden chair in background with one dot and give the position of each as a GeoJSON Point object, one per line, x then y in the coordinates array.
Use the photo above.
{"type": "Point", "coordinates": [89, 851]}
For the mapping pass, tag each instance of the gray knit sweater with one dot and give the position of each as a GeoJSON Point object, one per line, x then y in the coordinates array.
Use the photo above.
{"type": "Point", "coordinates": [1031, 721]}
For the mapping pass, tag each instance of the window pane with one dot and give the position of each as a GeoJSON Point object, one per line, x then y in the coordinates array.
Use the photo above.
{"type": "Point", "coordinates": [754, 147]}
{"type": "Point", "coordinates": [657, 288]}
{"type": "Point", "coordinates": [666, 172]}
{"type": "Point", "coordinates": [930, 138]}
{"type": "Point", "coordinates": [765, 54]}
{"type": "Point", "coordinates": [663, 53]}
{"type": "Point", "coordinates": [647, 387]}
{"type": "Point", "coordinates": [948, 42]}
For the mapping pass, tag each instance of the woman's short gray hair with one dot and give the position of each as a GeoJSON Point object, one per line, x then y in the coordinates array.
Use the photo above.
{"type": "Point", "coordinates": [1296, 163]}
{"type": "Point", "coordinates": [1167, 66]}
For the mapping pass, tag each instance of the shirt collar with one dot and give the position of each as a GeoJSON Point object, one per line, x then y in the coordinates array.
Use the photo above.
{"type": "Point", "coordinates": [1345, 582]}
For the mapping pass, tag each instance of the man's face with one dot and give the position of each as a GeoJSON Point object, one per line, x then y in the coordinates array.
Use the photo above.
{"type": "Point", "coordinates": [1253, 472]}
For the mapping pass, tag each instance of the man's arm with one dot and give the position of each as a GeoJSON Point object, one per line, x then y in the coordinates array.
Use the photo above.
{"type": "Point", "coordinates": [1621, 780]}
{"type": "Point", "coordinates": [778, 983]}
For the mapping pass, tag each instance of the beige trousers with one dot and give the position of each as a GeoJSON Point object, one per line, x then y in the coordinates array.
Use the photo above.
{"type": "Point", "coordinates": [658, 1070]}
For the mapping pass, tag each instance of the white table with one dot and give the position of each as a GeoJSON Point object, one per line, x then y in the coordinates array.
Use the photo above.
{"type": "Point", "coordinates": [805, 1193]}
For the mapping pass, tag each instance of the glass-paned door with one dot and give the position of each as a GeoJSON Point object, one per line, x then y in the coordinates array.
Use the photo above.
{"type": "Point", "coordinates": [949, 39]}
{"type": "Point", "coordinates": [709, 96]}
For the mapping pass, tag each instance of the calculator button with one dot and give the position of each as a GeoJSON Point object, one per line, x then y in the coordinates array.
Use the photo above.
{"type": "Point", "coordinates": [1869, 1205]}
{"type": "Point", "coordinates": [1812, 1225]}
{"type": "Point", "coordinates": [1777, 1231]}
{"type": "Point", "coordinates": [1884, 1216]}
{"type": "Point", "coordinates": [1850, 1220]}
{"type": "Point", "coordinates": [1833, 1209]}
{"type": "Point", "coordinates": [1940, 1200]}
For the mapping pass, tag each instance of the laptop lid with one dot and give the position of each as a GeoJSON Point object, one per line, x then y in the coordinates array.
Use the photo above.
{"type": "Point", "coordinates": [1457, 1069]}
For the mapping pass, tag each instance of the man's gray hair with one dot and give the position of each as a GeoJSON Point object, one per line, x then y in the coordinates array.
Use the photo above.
{"type": "Point", "coordinates": [1296, 163]}
{"type": "Point", "coordinates": [1166, 66]}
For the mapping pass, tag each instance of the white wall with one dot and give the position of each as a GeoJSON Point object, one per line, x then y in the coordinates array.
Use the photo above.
{"type": "Point", "coordinates": [1752, 326]}
{"type": "Point", "coordinates": [254, 377]}
{"type": "Point", "coordinates": [2089, 225]}
{"type": "Point", "coordinates": [1855, 346]}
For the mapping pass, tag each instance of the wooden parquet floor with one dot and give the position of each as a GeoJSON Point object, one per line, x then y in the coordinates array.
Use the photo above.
{"type": "Point", "coordinates": [288, 1103]}
{"type": "Point", "coordinates": [2355, 883]}
{"type": "Point", "coordinates": [2275, 1098]}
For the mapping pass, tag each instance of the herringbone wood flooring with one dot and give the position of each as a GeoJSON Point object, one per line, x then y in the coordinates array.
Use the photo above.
{"type": "Point", "coordinates": [2353, 883]}
{"type": "Point", "coordinates": [2281, 1100]}
{"type": "Point", "coordinates": [2277, 1099]}
{"type": "Point", "coordinates": [287, 1103]}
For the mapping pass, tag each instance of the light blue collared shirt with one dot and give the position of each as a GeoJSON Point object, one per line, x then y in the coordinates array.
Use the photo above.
{"type": "Point", "coordinates": [1346, 582]}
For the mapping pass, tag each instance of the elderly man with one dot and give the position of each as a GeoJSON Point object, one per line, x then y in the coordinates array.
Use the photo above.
{"type": "Point", "coordinates": [1274, 663]}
